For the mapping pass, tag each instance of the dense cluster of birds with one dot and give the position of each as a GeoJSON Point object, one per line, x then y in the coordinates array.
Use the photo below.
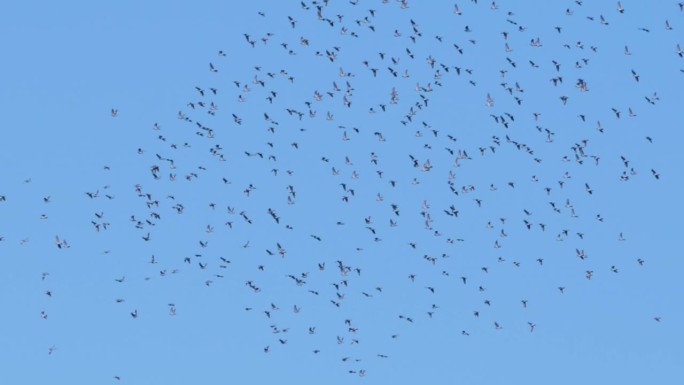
{"type": "Point", "coordinates": [337, 176]}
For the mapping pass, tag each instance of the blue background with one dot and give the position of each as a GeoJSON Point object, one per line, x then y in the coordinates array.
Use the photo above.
{"type": "Point", "coordinates": [67, 65]}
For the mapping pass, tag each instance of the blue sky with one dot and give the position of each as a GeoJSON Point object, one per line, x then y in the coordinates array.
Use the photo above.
{"type": "Point", "coordinates": [68, 65]}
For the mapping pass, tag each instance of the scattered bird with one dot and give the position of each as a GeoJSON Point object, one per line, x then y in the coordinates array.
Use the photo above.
{"type": "Point", "coordinates": [296, 143]}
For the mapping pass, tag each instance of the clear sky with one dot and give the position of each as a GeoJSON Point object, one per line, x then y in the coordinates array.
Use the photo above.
{"type": "Point", "coordinates": [379, 192]}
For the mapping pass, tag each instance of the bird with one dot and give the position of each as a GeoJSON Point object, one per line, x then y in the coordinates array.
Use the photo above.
{"type": "Point", "coordinates": [301, 110]}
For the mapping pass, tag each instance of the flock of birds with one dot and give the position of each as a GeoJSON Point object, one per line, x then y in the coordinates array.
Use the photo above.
{"type": "Point", "coordinates": [335, 176]}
